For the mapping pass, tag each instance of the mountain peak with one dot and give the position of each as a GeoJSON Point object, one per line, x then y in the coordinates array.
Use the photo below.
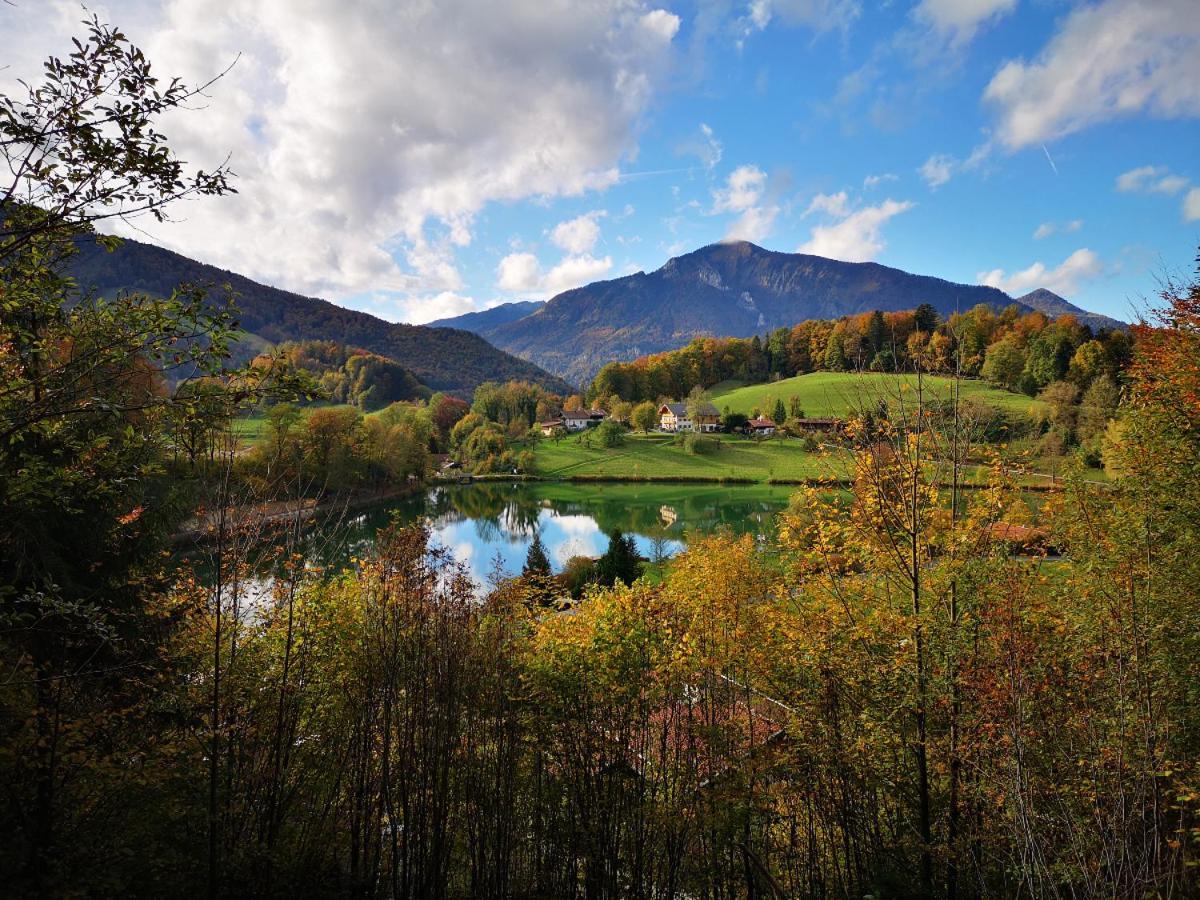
{"type": "Point", "coordinates": [1047, 302]}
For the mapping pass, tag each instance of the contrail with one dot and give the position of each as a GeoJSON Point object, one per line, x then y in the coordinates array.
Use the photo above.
{"type": "Point", "coordinates": [1050, 159]}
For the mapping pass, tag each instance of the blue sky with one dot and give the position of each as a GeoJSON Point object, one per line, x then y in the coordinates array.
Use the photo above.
{"type": "Point", "coordinates": [420, 161]}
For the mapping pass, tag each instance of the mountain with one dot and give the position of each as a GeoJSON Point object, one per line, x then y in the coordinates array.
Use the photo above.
{"type": "Point", "coordinates": [443, 358]}
{"type": "Point", "coordinates": [1051, 304]}
{"type": "Point", "coordinates": [733, 289]}
{"type": "Point", "coordinates": [485, 320]}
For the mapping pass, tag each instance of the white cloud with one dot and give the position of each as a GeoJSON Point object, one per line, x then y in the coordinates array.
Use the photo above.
{"type": "Point", "coordinates": [662, 24]}
{"type": "Point", "coordinates": [578, 235]}
{"type": "Point", "coordinates": [941, 167]}
{"type": "Point", "coordinates": [1065, 279]}
{"type": "Point", "coordinates": [1108, 60]}
{"type": "Point", "coordinates": [830, 204]}
{"type": "Point", "coordinates": [439, 306]}
{"type": "Point", "coordinates": [368, 136]}
{"type": "Point", "coordinates": [857, 237]}
{"type": "Point", "coordinates": [1048, 228]}
{"type": "Point", "coordinates": [518, 272]}
{"type": "Point", "coordinates": [743, 193]}
{"type": "Point", "coordinates": [522, 273]}
{"type": "Point", "coordinates": [743, 189]}
{"type": "Point", "coordinates": [959, 20]}
{"type": "Point", "coordinates": [937, 170]}
{"type": "Point", "coordinates": [1191, 206]}
{"type": "Point", "coordinates": [1151, 179]}
{"type": "Point", "coordinates": [872, 181]}
{"type": "Point", "coordinates": [819, 15]}
{"type": "Point", "coordinates": [753, 225]}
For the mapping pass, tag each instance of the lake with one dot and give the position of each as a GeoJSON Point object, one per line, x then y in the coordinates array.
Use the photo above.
{"type": "Point", "coordinates": [486, 523]}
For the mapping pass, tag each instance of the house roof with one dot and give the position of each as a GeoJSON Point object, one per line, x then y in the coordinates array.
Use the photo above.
{"type": "Point", "coordinates": [550, 423]}
{"type": "Point", "coordinates": [679, 410]}
{"type": "Point", "coordinates": [761, 423]}
{"type": "Point", "coordinates": [577, 414]}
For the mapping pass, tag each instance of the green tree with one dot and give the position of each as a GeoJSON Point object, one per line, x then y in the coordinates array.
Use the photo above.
{"type": "Point", "coordinates": [779, 413]}
{"type": "Point", "coordinates": [537, 563]}
{"type": "Point", "coordinates": [619, 563]}
{"type": "Point", "coordinates": [644, 416]}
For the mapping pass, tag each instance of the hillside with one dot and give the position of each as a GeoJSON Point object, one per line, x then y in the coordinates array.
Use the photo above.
{"type": "Point", "coordinates": [839, 393]}
{"type": "Point", "coordinates": [485, 320]}
{"type": "Point", "coordinates": [1051, 304]}
{"type": "Point", "coordinates": [732, 289]}
{"type": "Point", "coordinates": [442, 358]}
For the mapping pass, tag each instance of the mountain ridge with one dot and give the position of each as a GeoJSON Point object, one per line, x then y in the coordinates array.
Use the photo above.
{"type": "Point", "coordinates": [446, 359]}
{"type": "Point", "coordinates": [729, 289]}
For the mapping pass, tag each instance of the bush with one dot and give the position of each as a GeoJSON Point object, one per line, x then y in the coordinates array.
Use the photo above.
{"type": "Point", "coordinates": [610, 434]}
{"type": "Point", "coordinates": [698, 444]}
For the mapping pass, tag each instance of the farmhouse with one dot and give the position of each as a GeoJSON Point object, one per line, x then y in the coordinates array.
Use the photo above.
{"type": "Point", "coordinates": [761, 426]}
{"type": "Point", "coordinates": [550, 426]}
{"type": "Point", "coordinates": [674, 417]}
{"type": "Point", "coordinates": [579, 419]}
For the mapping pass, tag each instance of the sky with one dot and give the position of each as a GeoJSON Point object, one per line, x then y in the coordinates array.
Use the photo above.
{"type": "Point", "coordinates": [427, 158]}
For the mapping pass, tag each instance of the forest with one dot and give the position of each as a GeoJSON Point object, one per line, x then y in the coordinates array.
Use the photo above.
{"type": "Point", "coordinates": [890, 699]}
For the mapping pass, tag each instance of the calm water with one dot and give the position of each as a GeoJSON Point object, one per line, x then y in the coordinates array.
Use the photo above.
{"type": "Point", "coordinates": [482, 524]}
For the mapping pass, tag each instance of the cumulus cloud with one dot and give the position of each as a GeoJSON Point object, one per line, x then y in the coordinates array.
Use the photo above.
{"type": "Point", "coordinates": [1108, 60]}
{"type": "Point", "coordinates": [1064, 279]}
{"type": "Point", "coordinates": [858, 236]}
{"type": "Point", "coordinates": [941, 167]}
{"type": "Point", "coordinates": [743, 189]}
{"type": "Point", "coordinates": [959, 20]}
{"type": "Point", "coordinates": [744, 193]}
{"type": "Point", "coordinates": [1048, 228]}
{"type": "Point", "coordinates": [830, 204]}
{"type": "Point", "coordinates": [521, 273]}
{"type": "Point", "coordinates": [1191, 206]}
{"type": "Point", "coordinates": [367, 137]}
{"type": "Point", "coordinates": [1161, 180]}
{"type": "Point", "coordinates": [578, 235]}
{"type": "Point", "coordinates": [1147, 179]}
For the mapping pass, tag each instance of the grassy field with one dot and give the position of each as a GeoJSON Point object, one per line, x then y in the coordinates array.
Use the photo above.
{"type": "Point", "coordinates": [836, 393]}
{"type": "Point", "coordinates": [658, 456]}
{"type": "Point", "coordinates": [251, 428]}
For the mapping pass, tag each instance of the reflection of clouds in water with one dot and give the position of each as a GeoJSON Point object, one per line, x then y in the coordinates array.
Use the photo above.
{"type": "Point", "coordinates": [564, 536]}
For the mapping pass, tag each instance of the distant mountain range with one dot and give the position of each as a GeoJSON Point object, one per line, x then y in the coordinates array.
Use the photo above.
{"type": "Point", "coordinates": [734, 289]}
{"type": "Point", "coordinates": [1051, 304]}
{"type": "Point", "coordinates": [443, 358]}
{"type": "Point", "coordinates": [484, 320]}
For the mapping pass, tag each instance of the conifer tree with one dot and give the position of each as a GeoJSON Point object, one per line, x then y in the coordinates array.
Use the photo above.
{"type": "Point", "coordinates": [536, 561]}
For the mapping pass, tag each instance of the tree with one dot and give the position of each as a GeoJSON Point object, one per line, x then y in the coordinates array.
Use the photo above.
{"type": "Point", "coordinates": [1098, 407]}
{"type": "Point", "coordinates": [926, 318]}
{"type": "Point", "coordinates": [779, 413]}
{"type": "Point", "coordinates": [698, 401]}
{"type": "Point", "coordinates": [537, 564]}
{"type": "Point", "coordinates": [620, 560]}
{"type": "Point", "coordinates": [795, 408]}
{"type": "Point", "coordinates": [1004, 363]}
{"type": "Point", "coordinates": [644, 416]}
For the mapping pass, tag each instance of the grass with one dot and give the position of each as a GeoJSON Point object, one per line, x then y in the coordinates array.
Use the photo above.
{"type": "Point", "coordinates": [658, 456]}
{"type": "Point", "coordinates": [251, 428]}
{"type": "Point", "coordinates": [837, 393]}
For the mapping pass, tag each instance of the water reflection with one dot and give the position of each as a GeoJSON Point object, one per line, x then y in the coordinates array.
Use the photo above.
{"type": "Point", "coordinates": [485, 525]}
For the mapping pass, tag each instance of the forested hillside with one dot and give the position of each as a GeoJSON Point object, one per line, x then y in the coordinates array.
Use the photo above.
{"type": "Point", "coordinates": [444, 359]}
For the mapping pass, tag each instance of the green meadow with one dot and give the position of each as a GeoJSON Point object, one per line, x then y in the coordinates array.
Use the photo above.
{"type": "Point", "coordinates": [661, 456]}
{"type": "Point", "coordinates": [838, 393]}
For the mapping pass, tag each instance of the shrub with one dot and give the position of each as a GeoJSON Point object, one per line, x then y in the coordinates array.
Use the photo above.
{"type": "Point", "coordinates": [610, 434]}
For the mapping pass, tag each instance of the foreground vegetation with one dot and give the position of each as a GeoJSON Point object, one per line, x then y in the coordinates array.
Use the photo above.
{"type": "Point", "coordinates": [888, 703]}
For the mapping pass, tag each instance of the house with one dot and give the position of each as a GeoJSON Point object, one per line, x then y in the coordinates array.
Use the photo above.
{"type": "Point", "coordinates": [674, 417]}
{"type": "Point", "coordinates": [578, 420]}
{"type": "Point", "coordinates": [550, 426]}
{"type": "Point", "coordinates": [761, 426]}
